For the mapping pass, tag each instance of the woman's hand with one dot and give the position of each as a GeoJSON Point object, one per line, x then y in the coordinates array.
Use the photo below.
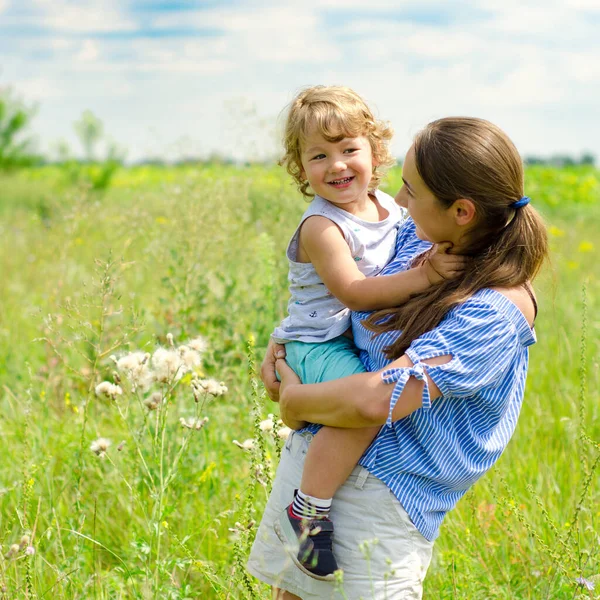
{"type": "Point", "coordinates": [288, 380]}
{"type": "Point", "coordinates": [267, 369]}
{"type": "Point", "coordinates": [440, 265]}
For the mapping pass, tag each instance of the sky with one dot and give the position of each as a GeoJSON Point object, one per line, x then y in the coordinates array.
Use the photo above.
{"type": "Point", "coordinates": [197, 77]}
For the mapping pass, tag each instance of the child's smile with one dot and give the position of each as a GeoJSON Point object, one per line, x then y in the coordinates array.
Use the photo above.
{"type": "Point", "coordinates": [341, 183]}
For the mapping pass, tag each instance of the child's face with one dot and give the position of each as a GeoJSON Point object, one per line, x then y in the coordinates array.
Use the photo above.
{"type": "Point", "coordinates": [340, 171]}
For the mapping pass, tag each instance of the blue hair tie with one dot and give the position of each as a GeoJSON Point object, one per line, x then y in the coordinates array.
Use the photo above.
{"type": "Point", "coordinates": [521, 203]}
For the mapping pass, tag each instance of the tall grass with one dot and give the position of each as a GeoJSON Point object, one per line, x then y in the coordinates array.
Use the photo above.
{"type": "Point", "coordinates": [170, 507]}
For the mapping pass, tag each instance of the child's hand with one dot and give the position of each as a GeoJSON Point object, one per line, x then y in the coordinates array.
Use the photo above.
{"type": "Point", "coordinates": [267, 369]}
{"type": "Point", "coordinates": [440, 265]}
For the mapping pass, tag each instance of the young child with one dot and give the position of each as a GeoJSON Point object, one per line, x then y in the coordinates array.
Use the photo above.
{"type": "Point", "coordinates": [335, 148]}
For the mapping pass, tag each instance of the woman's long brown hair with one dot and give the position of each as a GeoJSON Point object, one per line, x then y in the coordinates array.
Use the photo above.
{"type": "Point", "coordinates": [460, 157]}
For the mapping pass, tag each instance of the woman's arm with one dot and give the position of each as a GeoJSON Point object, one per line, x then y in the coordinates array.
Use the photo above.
{"type": "Point", "coordinates": [360, 400]}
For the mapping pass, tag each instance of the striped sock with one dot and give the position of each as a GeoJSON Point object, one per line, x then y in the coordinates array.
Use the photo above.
{"type": "Point", "coordinates": [309, 507]}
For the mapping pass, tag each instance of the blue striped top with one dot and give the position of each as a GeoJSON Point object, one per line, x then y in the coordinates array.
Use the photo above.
{"type": "Point", "coordinates": [430, 458]}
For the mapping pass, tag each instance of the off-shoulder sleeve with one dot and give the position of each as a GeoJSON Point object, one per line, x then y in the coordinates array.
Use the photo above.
{"type": "Point", "coordinates": [482, 343]}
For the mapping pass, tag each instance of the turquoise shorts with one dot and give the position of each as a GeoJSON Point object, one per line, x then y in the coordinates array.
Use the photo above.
{"type": "Point", "coordinates": [324, 361]}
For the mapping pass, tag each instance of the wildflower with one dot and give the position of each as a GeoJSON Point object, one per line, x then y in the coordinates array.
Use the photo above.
{"type": "Point", "coordinates": [100, 446]}
{"type": "Point", "coordinates": [198, 344]}
{"type": "Point", "coordinates": [30, 551]}
{"type": "Point", "coordinates": [585, 246]}
{"type": "Point", "coordinates": [12, 551]}
{"type": "Point", "coordinates": [555, 231]}
{"type": "Point", "coordinates": [210, 386]}
{"type": "Point", "coordinates": [284, 433]}
{"type": "Point", "coordinates": [135, 366]}
{"type": "Point", "coordinates": [193, 423]}
{"type": "Point", "coordinates": [191, 358]}
{"type": "Point", "coordinates": [246, 445]}
{"type": "Point", "coordinates": [108, 389]}
{"type": "Point", "coordinates": [153, 401]}
{"type": "Point", "coordinates": [267, 424]}
{"type": "Point", "coordinates": [24, 542]}
{"type": "Point", "coordinates": [167, 365]}
{"type": "Point", "coordinates": [121, 446]}
{"type": "Point", "coordinates": [170, 340]}
{"type": "Point", "coordinates": [585, 583]}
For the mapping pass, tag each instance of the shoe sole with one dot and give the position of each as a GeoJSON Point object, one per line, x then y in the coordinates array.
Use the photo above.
{"type": "Point", "coordinates": [279, 527]}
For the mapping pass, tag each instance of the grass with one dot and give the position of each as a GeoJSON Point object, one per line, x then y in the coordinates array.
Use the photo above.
{"type": "Point", "coordinates": [170, 512]}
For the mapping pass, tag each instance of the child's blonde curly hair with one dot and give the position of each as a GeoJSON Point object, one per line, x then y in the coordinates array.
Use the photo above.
{"type": "Point", "coordinates": [337, 112]}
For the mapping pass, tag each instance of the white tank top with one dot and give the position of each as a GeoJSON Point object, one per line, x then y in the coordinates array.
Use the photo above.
{"type": "Point", "coordinates": [314, 313]}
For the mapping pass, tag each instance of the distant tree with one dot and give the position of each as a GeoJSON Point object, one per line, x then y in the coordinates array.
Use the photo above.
{"type": "Point", "coordinates": [16, 147]}
{"type": "Point", "coordinates": [587, 158]}
{"type": "Point", "coordinates": [90, 130]}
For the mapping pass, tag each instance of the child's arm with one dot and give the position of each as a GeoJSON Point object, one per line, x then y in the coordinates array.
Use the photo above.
{"type": "Point", "coordinates": [322, 243]}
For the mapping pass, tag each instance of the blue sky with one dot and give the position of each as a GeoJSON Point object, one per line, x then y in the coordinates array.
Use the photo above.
{"type": "Point", "coordinates": [195, 77]}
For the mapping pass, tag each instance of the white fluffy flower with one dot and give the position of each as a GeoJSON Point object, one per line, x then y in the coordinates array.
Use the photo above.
{"type": "Point", "coordinates": [168, 365]}
{"type": "Point", "coordinates": [132, 361]}
{"type": "Point", "coordinates": [267, 424]}
{"type": "Point", "coordinates": [191, 358]}
{"type": "Point", "coordinates": [198, 344]}
{"type": "Point", "coordinates": [284, 433]}
{"type": "Point", "coordinates": [193, 423]}
{"type": "Point", "coordinates": [210, 386]}
{"type": "Point", "coordinates": [136, 367]}
{"type": "Point", "coordinates": [100, 446]}
{"type": "Point", "coordinates": [153, 401]}
{"type": "Point", "coordinates": [108, 389]}
{"type": "Point", "coordinates": [246, 445]}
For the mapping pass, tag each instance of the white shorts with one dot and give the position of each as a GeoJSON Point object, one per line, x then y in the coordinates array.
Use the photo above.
{"type": "Point", "coordinates": [381, 552]}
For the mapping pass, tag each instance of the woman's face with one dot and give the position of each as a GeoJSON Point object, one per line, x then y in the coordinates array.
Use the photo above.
{"type": "Point", "coordinates": [434, 223]}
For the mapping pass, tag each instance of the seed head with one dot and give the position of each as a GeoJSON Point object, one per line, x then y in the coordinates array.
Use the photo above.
{"type": "Point", "coordinates": [191, 358]}
{"type": "Point", "coordinates": [168, 365]}
{"type": "Point", "coordinates": [193, 423]}
{"type": "Point", "coordinates": [135, 366]}
{"type": "Point", "coordinates": [284, 433]}
{"type": "Point", "coordinates": [266, 425]}
{"type": "Point", "coordinates": [246, 445]}
{"type": "Point", "coordinates": [210, 386]}
{"type": "Point", "coordinates": [108, 389]}
{"type": "Point", "coordinates": [153, 401]}
{"type": "Point", "coordinates": [24, 542]}
{"type": "Point", "coordinates": [100, 446]}
{"type": "Point", "coordinates": [198, 344]}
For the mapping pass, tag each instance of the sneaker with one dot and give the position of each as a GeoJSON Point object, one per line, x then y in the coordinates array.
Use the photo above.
{"type": "Point", "coordinates": [309, 543]}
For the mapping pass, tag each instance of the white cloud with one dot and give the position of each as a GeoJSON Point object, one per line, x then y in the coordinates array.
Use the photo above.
{"type": "Point", "coordinates": [513, 62]}
{"type": "Point", "coordinates": [37, 89]}
{"type": "Point", "coordinates": [83, 16]}
{"type": "Point", "coordinates": [89, 52]}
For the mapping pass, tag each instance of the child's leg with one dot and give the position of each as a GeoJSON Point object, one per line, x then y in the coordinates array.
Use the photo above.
{"type": "Point", "coordinates": [331, 456]}
{"type": "Point", "coordinates": [304, 528]}
{"type": "Point", "coordinates": [334, 451]}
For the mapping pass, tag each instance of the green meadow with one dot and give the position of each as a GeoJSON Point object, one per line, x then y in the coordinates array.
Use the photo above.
{"type": "Point", "coordinates": [141, 492]}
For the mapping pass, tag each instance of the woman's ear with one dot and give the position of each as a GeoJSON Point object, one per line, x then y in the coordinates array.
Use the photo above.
{"type": "Point", "coordinates": [464, 211]}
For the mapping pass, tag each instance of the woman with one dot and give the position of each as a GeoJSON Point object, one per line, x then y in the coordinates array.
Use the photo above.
{"type": "Point", "coordinates": [447, 376]}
